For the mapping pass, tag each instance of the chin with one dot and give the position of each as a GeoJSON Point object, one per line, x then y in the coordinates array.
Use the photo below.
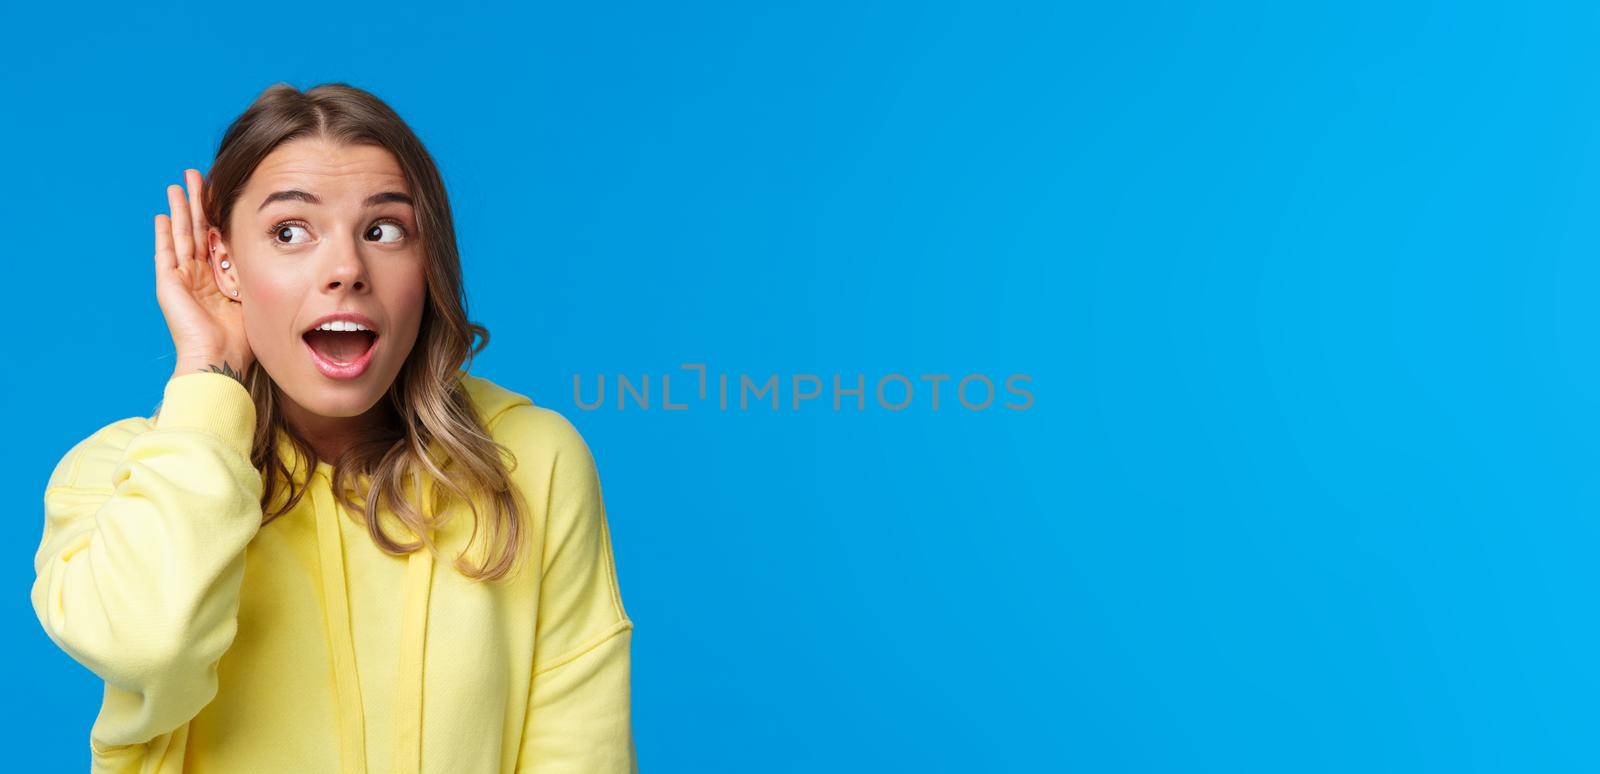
{"type": "Point", "coordinates": [332, 398]}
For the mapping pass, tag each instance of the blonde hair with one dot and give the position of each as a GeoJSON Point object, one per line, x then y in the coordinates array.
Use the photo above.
{"type": "Point", "coordinates": [439, 436]}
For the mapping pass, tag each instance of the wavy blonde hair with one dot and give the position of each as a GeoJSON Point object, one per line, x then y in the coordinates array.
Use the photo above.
{"type": "Point", "coordinates": [439, 436]}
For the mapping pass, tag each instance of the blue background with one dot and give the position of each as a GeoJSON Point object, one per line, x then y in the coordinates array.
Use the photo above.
{"type": "Point", "coordinates": [1307, 296]}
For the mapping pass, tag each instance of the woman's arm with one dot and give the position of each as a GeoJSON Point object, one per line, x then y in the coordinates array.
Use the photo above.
{"type": "Point", "coordinates": [139, 569]}
{"type": "Point", "coordinates": [579, 708]}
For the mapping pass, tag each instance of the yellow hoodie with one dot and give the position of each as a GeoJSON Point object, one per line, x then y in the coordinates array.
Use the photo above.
{"type": "Point", "coordinates": [299, 646]}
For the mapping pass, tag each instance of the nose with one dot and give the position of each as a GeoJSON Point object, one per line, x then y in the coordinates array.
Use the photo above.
{"type": "Point", "coordinates": [346, 269]}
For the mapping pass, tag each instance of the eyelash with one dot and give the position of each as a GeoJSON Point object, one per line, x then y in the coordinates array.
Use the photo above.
{"type": "Point", "coordinates": [272, 233]}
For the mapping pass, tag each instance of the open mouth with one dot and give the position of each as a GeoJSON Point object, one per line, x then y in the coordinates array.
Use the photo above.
{"type": "Point", "coordinates": [340, 347]}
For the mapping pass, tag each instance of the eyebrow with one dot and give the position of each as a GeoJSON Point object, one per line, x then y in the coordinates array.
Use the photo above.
{"type": "Point", "coordinates": [304, 196]}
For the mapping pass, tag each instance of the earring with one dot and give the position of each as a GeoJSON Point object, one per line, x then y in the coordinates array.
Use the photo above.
{"type": "Point", "coordinates": [235, 294]}
{"type": "Point", "coordinates": [225, 263]}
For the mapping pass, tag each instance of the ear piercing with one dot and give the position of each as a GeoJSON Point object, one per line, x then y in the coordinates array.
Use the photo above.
{"type": "Point", "coordinates": [225, 263]}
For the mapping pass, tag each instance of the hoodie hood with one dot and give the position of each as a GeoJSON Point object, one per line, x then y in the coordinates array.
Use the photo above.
{"type": "Point", "coordinates": [490, 399]}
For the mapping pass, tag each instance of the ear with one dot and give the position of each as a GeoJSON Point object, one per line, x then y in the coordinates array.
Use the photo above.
{"type": "Point", "coordinates": [227, 279]}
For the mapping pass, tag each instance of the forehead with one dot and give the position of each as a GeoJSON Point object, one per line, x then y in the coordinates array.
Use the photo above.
{"type": "Point", "coordinates": [326, 168]}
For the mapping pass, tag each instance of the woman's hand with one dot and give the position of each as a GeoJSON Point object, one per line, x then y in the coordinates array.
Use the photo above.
{"type": "Point", "coordinates": [207, 327]}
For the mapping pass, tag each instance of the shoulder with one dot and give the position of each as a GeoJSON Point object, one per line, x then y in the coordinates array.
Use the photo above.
{"type": "Point", "coordinates": [550, 465]}
{"type": "Point", "coordinates": [91, 462]}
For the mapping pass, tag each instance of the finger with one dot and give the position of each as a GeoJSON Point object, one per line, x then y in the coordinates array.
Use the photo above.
{"type": "Point", "coordinates": [165, 259]}
{"type": "Point", "coordinates": [197, 213]}
{"type": "Point", "coordinates": [182, 232]}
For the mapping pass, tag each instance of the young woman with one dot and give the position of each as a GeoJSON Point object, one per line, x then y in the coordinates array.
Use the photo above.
{"type": "Point", "coordinates": [253, 571]}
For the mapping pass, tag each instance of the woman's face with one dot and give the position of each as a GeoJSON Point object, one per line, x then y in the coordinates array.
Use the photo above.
{"type": "Point", "coordinates": [323, 228]}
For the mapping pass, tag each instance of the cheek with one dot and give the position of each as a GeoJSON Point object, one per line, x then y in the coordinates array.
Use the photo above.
{"type": "Point", "coordinates": [269, 310]}
{"type": "Point", "coordinates": [408, 296]}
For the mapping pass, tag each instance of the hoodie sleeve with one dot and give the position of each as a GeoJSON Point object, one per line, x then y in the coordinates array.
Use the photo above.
{"type": "Point", "coordinates": [579, 709]}
{"type": "Point", "coordinates": [138, 574]}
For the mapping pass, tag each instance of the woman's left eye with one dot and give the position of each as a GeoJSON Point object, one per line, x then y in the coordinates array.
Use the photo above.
{"type": "Point", "coordinates": [385, 232]}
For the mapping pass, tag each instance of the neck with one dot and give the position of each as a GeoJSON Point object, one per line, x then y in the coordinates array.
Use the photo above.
{"type": "Point", "coordinates": [331, 436]}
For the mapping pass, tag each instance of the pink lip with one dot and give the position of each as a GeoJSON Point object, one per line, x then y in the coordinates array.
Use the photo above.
{"type": "Point", "coordinates": [349, 370]}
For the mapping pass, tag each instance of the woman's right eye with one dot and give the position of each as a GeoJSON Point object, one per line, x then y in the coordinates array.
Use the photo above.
{"type": "Point", "coordinates": [288, 234]}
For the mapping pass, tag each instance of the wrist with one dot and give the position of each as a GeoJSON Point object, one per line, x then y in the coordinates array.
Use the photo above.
{"type": "Point", "coordinates": [228, 365]}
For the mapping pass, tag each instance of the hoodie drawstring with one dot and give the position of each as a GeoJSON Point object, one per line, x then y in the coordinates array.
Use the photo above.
{"type": "Point", "coordinates": [408, 679]}
{"type": "Point", "coordinates": [408, 683]}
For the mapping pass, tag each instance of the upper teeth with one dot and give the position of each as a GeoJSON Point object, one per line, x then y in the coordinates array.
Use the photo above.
{"type": "Point", "coordinates": [341, 325]}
